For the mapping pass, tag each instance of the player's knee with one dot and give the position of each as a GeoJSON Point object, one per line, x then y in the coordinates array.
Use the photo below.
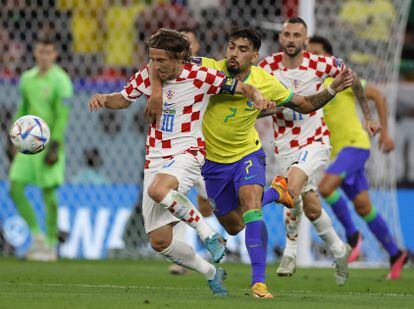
{"type": "Point", "coordinates": [156, 192]}
{"type": "Point", "coordinates": [251, 201]}
{"type": "Point", "coordinates": [362, 203]}
{"type": "Point", "coordinates": [159, 244]}
{"type": "Point", "coordinates": [324, 189]}
{"type": "Point", "coordinates": [204, 207]}
{"type": "Point", "coordinates": [294, 190]}
{"type": "Point", "coordinates": [362, 208]}
{"type": "Point", "coordinates": [234, 229]}
{"type": "Point", "coordinates": [312, 213]}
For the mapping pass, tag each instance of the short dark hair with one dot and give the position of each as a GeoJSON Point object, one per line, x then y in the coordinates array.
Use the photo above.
{"type": "Point", "coordinates": [46, 39]}
{"type": "Point", "coordinates": [251, 34]}
{"type": "Point", "coordinates": [173, 42]}
{"type": "Point", "coordinates": [296, 20]}
{"type": "Point", "coordinates": [326, 45]}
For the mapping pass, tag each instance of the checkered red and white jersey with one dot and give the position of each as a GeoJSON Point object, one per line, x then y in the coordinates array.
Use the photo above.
{"type": "Point", "coordinates": [293, 130]}
{"type": "Point", "coordinates": [184, 102]}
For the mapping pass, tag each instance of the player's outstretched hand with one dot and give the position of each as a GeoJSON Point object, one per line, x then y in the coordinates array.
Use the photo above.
{"type": "Point", "coordinates": [386, 144]}
{"type": "Point", "coordinates": [343, 80]}
{"type": "Point", "coordinates": [373, 127]}
{"type": "Point", "coordinates": [97, 102]}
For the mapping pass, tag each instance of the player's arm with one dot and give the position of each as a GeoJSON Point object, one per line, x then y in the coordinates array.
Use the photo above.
{"type": "Point", "coordinates": [61, 117]}
{"type": "Point", "coordinates": [123, 99]}
{"type": "Point", "coordinates": [372, 125]}
{"type": "Point", "coordinates": [233, 86]}
{"type": "Point", "coordinates": [110, 101]}
{"type": "Point", "coordinates": [61, 109]}
{"type": "Point", "coordinates": [311, 103]}
{"type": "Point", "coordinates": [153, 109]}
{"type": "Point", "coordinates": [248, 91]}
{"type": "Point", "coordinates": [303, 104]}
{"type": "Point", "coordinates": [57, 132]}
{"type": "Point", "coordinates": [372, 93]}
{"type": "Point", "coordinates": [228, 86]}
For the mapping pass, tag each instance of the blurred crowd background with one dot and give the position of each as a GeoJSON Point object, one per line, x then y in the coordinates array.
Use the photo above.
{"type": "Point", "coordinates": [102, 42]}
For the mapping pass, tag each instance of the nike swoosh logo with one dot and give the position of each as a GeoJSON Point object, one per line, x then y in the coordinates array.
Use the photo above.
{"type": "Point", "coordinates": [168, 104]}
{"type": "Point", "coordinates": [249, 177]}
{"type": "Point", "coordinates": [168, 164]}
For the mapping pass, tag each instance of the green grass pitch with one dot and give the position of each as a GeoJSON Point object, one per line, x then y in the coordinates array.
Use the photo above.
{"type": "Point", "coordinates": [147, 284]}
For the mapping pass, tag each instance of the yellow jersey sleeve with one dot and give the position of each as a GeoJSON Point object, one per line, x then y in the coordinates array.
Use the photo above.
{"type": "Point", "coordinates": [271, 88]}
{"type": "Point", "coordinates": [209, 63]}
{"type": "Point", "coordinates": [281, 94]}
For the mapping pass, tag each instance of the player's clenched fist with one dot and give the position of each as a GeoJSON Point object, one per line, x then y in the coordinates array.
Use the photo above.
{"type": "Point", "coordinates": [97, 102]}
{"type": "Point", "coordinates": [262, 103]}
{"type": "Point", "coordinates": [372, 126]}
{"type": "Point", "coordinates": [343, 80]}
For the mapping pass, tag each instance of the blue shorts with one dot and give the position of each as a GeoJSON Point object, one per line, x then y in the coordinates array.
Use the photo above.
{"type": "Point", "coordinates": [350, 165]}
{"type": "Point", "coordinates": [224, 180]}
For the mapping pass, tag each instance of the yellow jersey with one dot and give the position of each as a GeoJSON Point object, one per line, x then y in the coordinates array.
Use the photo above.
{"type": "Point", "coordinates": [341, 116]}
{"type": "Point", "coordinates": [228, 124]}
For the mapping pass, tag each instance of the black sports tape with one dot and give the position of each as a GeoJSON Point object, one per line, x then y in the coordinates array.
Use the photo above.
{"type": "Point", "coordinates": [229, 86]}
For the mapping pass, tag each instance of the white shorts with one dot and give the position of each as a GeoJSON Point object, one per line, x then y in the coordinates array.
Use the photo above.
{"type": "Point", "coordinates": [186, 168]}
{"type": "Point", "coordinates": [312, 160]}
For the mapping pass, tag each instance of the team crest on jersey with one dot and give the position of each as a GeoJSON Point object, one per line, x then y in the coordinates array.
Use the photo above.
{"type": "Point", "coordinates": [170, 94]}
{"type": "Point", "coordinates": [249, 107]}
{"type": "Point", "coordinates": [296, 83]}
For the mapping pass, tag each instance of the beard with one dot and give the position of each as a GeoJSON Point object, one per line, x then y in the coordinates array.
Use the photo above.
{"type": "Point", "coordinates": [233, 70]}
{"type": "Point", "coordinates": [296, 52]}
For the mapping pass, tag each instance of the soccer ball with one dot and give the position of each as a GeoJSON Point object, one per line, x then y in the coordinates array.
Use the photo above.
{"type": "Point", "coordinates": [30, 134]}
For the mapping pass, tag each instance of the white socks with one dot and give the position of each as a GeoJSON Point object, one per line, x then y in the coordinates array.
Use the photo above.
{"type": "Point", "coordinates": [180, 231]}
{"type": "Point", "coordinates": [182, 254]}
{"type": "Point", "coordinates": [290, 248]}
{"type": "Point", "coordinates": [182, 208]}
{"type": "Point", "coordinates": [326, 232]}
{"type": "Point", "coordinates": [292, 222]}
{"type": "Point", "coordinates": [323, 226]}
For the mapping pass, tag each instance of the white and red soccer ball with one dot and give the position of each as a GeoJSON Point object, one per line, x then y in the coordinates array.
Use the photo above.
{"type": "Point", "coordinates": [30, 134]}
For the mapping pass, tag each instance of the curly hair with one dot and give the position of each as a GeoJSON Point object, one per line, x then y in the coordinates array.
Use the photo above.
{"type": "Point", "coordinates": [250, 34]}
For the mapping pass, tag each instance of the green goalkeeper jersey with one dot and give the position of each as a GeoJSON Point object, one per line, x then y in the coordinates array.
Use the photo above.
{"type": "Point", "coordinates": [46, 96]}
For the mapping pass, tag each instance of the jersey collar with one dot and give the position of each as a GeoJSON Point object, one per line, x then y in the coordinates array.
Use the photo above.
{"type": "Point", "coordinates": [37, 71]}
